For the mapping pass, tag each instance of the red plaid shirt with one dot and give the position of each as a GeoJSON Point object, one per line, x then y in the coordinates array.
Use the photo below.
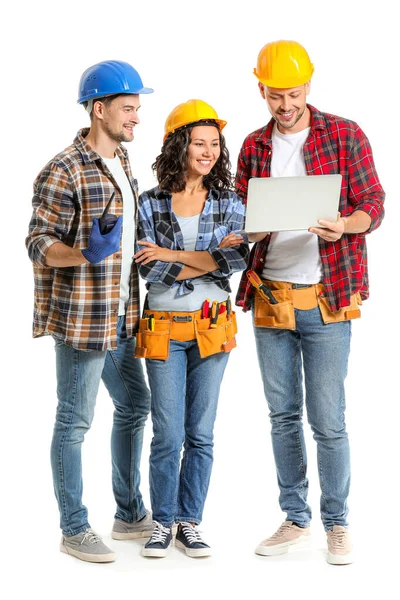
{"type": "Point", "coordinates": [334, 145]}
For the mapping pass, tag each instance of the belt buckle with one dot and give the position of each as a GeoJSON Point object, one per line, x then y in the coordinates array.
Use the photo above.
{"type": "Point", "coordinates": [182, 319]}
{"type": "Point", "coordinates": [301, 286]}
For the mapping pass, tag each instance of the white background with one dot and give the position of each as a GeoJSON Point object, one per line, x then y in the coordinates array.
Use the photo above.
{"type": "Point", "coordinates": [201, 50]}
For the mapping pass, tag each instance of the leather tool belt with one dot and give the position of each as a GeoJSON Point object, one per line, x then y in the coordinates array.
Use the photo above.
{"type": "Point", "coordinates": [302, 297]}
{"type": "Point", "coordinates": [152, 341]}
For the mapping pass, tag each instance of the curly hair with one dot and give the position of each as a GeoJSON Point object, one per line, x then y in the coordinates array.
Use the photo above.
{"type": "Point", "coordinates": [170, 165]}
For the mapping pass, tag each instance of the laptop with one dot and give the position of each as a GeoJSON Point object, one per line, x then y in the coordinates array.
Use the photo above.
{"type": "Point", "coordinates": [291, 203]}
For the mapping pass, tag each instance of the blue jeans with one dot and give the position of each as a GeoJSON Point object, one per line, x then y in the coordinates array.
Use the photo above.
{"type": "Point", "coordinates": [78, 380]}
{"type": "Point", "coordinates": [184, 398]}
{"type": "Point", "coordinates": [322, 351]}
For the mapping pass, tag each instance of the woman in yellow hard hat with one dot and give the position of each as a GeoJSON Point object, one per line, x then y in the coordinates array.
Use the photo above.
{"type": "Point", "coordinates": [187, 232]}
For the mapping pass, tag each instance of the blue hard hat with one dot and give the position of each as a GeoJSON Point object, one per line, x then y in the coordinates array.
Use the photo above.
{"type": "Point", "coordinates": [108, 78]}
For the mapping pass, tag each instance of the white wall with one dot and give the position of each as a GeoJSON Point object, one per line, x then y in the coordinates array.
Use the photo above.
{"type": "Point", "coordinates": [196, 50]}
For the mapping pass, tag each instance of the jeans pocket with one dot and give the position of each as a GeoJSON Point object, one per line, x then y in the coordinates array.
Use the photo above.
{"type": "Point", "coordinates": [57, 342]}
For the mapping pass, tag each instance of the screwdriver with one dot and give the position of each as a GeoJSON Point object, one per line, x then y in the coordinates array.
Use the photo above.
{"type": "Point", "coordinates": [206, 308]}
{"type": "Point", "coordinates": [214, 314]}
{"type": "Point", "coordinates": [264, 289]}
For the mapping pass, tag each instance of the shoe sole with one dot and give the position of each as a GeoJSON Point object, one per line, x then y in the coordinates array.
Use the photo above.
{"type": "Point", "coordinates": [136, 535]}
{"type": "Point", "coordinates": [154, 553]}
{"type": "Point", "coordinates": [281, 548]}
{"type": "Point", "coordinates": [193, 552]}
{"type": "Point", "coordinates": [133, 535]}
{"type": "Point", "coordinates": [94, 558]}
{"type": "Point", "coordinates": [337, 559]}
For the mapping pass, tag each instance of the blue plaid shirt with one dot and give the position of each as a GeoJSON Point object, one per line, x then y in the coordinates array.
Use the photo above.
{"type": "Point", "coordinates": [223, 213]}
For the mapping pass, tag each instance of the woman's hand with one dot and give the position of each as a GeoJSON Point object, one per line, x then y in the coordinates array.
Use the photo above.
{"type": "Point", "coordinates": [154, 252]}
{"type": "Point", "coordinates": [231, 241]}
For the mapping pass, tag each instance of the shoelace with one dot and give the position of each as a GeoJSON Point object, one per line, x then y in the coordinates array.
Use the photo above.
{"type": "Point", "coordinates": [91, 537]}
{"type": "Point", "coordinates": [192, 533]}
{"type": "Point", "coordinates": [283, 529]}
{"type": "Point", "coordinates": [159, 533]}
{"type": "Point", "coordinates": [338, 539]}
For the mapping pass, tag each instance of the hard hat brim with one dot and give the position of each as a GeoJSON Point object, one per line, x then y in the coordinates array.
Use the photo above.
{"type": "Point", "coordinates": [143, 90]}
{"type": "Point", "coordinates": [282, 84]}
{"type": "Point", "coordinates": [218, 122]}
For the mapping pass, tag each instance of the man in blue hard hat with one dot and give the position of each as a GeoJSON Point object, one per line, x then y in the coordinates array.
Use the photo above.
{"type": "Point", "coordinates": [87, 299]}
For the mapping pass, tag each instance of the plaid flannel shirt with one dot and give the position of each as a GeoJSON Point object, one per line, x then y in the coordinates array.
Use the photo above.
{"type": "Point", "coordinates": [223, 213]}
{"type": "Point", "coordinates": [78, 305]}
{"type": "Point", "coordinates": [334, 145]}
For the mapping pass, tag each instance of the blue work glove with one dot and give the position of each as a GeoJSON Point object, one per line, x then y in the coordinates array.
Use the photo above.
{"type": "Point", "coordinates": [101, 246]}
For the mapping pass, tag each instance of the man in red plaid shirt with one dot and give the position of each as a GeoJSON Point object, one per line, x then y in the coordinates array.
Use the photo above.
{"type": "Point", "coordinates": [319, 277]}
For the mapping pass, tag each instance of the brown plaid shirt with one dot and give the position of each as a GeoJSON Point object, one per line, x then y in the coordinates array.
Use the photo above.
{"type": "Point", "coordinates": [78, 305]}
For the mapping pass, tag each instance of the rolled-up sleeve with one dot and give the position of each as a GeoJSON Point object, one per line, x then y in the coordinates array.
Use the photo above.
{"type": "Point", "coordinates": [365, 190]}
{"type": "Point", "coordinates": [155, 271]}
{"type": "Point", "coordinates": [231, 260]}
{"type": "Point", "coordinates": [53, 212]}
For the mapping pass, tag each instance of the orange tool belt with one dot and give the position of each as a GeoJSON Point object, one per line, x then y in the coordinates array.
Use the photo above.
{"type": "Point", "coordinates": [289, 297]}
{"type": "Point", "coordinates": [157, 328]}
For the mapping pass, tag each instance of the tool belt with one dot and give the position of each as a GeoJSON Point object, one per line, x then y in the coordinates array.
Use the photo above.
{"type": "Point", "coordinates": [184, 327]}
{"type": "Point", "coordinates": [289, 297]}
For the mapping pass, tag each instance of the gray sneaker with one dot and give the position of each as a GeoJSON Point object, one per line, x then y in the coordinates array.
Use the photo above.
{"type": "Point", "coordinates": [88, 546]}
{"type": "Point", "coordinates": [122, 530]}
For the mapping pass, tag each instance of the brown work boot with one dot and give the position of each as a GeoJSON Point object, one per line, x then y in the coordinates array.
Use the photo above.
{"type": "Point", "coordinates": [339, 546]}
{"type": "Point", "coordinates": [287, 535]}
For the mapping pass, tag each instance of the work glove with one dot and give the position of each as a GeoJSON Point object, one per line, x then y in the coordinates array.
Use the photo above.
{"type": "Point", "coordinates": [100, 246]}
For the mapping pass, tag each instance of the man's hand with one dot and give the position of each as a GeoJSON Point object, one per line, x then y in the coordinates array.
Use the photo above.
{"type": "Point", "coordinates": [100, 246]}
{"type": "Point", "coordinates": [334, 229]}
{"type": "Point", "coordinates": [231, 241]}
{"type": "Point", "coordinates": [154, 252]}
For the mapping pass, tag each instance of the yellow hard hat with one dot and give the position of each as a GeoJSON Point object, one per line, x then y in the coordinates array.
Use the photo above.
{"type": "Point", "coordinates": [191, 112]}
{"type": "Point", "coordinates": [283, 64]}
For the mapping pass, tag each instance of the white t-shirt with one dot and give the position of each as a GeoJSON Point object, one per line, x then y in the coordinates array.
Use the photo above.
{"type": "Point", "coordinates": [292, 255]}
{"type": "Point", "coordinates": [162, 297]}
{"type": "Point", "coordinates": [128, 228]}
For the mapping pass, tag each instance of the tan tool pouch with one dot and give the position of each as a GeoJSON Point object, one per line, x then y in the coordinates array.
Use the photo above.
{"type": "Point", "coordinates": [344, 314]}
{"type": "Point", "coordinates": [155, 344]}
{"type": "Point", "coordinates": [282, 315]}
{"type": "Point", "coordinates": [219, 339]}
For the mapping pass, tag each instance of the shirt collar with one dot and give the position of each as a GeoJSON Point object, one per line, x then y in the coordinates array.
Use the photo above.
{"type": "Point", "coordinates": [87, 153]}
{"type": "Point", "coordinates": [317, 122]}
